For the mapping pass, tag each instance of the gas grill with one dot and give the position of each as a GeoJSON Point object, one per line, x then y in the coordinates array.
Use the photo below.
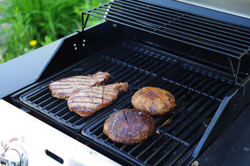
{"type": "Point", "coordinates": [200, 59]}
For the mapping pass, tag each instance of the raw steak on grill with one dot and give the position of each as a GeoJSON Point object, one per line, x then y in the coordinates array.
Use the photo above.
{"type": "Point", "coordinates": [66, 87]}
{"type": "Point", "coordinates": [89, 100]}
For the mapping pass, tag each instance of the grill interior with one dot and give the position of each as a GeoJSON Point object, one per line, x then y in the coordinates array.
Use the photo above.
{"type": "Point", "coordinates": [198, 94]}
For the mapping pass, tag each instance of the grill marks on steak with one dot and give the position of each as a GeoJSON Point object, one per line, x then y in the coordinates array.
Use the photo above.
{"type": "Point", "coordinates": [83, 95]}
{"type": "Point", "coordinates": [66, 87]}
{"type": "Point", "coordinates": [89, 100]}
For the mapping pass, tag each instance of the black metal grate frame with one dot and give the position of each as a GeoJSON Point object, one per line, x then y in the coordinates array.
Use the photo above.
{"type": "Point", "coordinates": [198, 94]}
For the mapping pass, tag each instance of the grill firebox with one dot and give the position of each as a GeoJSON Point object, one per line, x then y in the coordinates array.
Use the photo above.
{"type": "Point", "coordinates": [198, 94]}
{"type": "Point", "coordinates": [202, 61]}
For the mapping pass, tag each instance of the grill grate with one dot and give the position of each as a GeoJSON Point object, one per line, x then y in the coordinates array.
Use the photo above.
{"type": "Point", "coordinates": [198, 94]}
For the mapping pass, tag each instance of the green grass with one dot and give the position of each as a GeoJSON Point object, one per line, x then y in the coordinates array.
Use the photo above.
{"type": "Point", "coordinates": [42, 20]}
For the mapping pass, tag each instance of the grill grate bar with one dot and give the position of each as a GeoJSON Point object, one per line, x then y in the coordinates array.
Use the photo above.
{"type": "Point", "coordinates": [148, 147]}
{"type": "Point", "coordinates": [99, 127]}
{"type": "Point", "coordinates": [156, 154]}
{"type": "Point", "coordinates": [42, 95]}
{"type": "Point", "coordinates": [190, 122]}
{"type": "Point", "coordinates": [190, 79]}
{"type": "Point", "coordinates": [204, 113]}
{"type": "Point", "coordinates": [175, 75]}
{"type": "Point", "coordinates": [197, 136]}
{"type": "Point", "coordinates": [71, 117]}
{"type": "Point", "coordinates": [36, 95]}
{"type": "Point", "coordinates": [59, 104]}
{"type": "Point", "coordinates": [216, 88]}
{"type": "Point", "coordinates": [173, 137]}
{"type": "Point", "coordinates": [65, 114]}
{"type": "Point", "coordinates": [223, 90]}
{"type": "Point", "coordinates": [96, 66]}
{"type": "Point", "coordinates": [195, 82]}
{"type": "Point", "coordinates": [207, 87]}
{"type": "Point", "coordinates": [78, 122]}
{"type": "Point", "coordinates": [168, 153]}
{"type": "Point", "coordinates": [168, 67]}
{"type": "Point", "coordinates": [61, 112]}
{"type": "Point", "coordinates": [188, 106]}
{"type": "Point", "coordinates": [85, 69]}
{"type": "Point", "coordinates": [196, 127]}
{"type": "Point", "coordinates": [184, 151]}
{"type": "Point", "coordinates": [50, 101]}
{"type": "Point", "coordinates": [201, 85]}
{"type": "Point", "coordinates": [158, 68]}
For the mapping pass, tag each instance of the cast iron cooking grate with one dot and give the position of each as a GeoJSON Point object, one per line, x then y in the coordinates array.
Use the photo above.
{"type": "Point", "coordinates": [198, 94]}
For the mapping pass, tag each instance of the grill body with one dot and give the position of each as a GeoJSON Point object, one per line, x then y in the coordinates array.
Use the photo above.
{"type": "Point", "coordinates": [208, 96]}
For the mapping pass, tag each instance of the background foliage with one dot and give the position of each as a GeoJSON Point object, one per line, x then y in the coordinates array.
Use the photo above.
{"type": "Point", "coordinates": [43, 21]}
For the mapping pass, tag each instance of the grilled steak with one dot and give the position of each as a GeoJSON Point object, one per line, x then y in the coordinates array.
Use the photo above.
{"type": "Point", "coordinates": [153, 100]}
{"type": "Point", "coordinates": [66, 87]}
{"type": "Point", "coordinates": [129, 126]}
{"type": "Point", "coordinates": [89, 100]}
